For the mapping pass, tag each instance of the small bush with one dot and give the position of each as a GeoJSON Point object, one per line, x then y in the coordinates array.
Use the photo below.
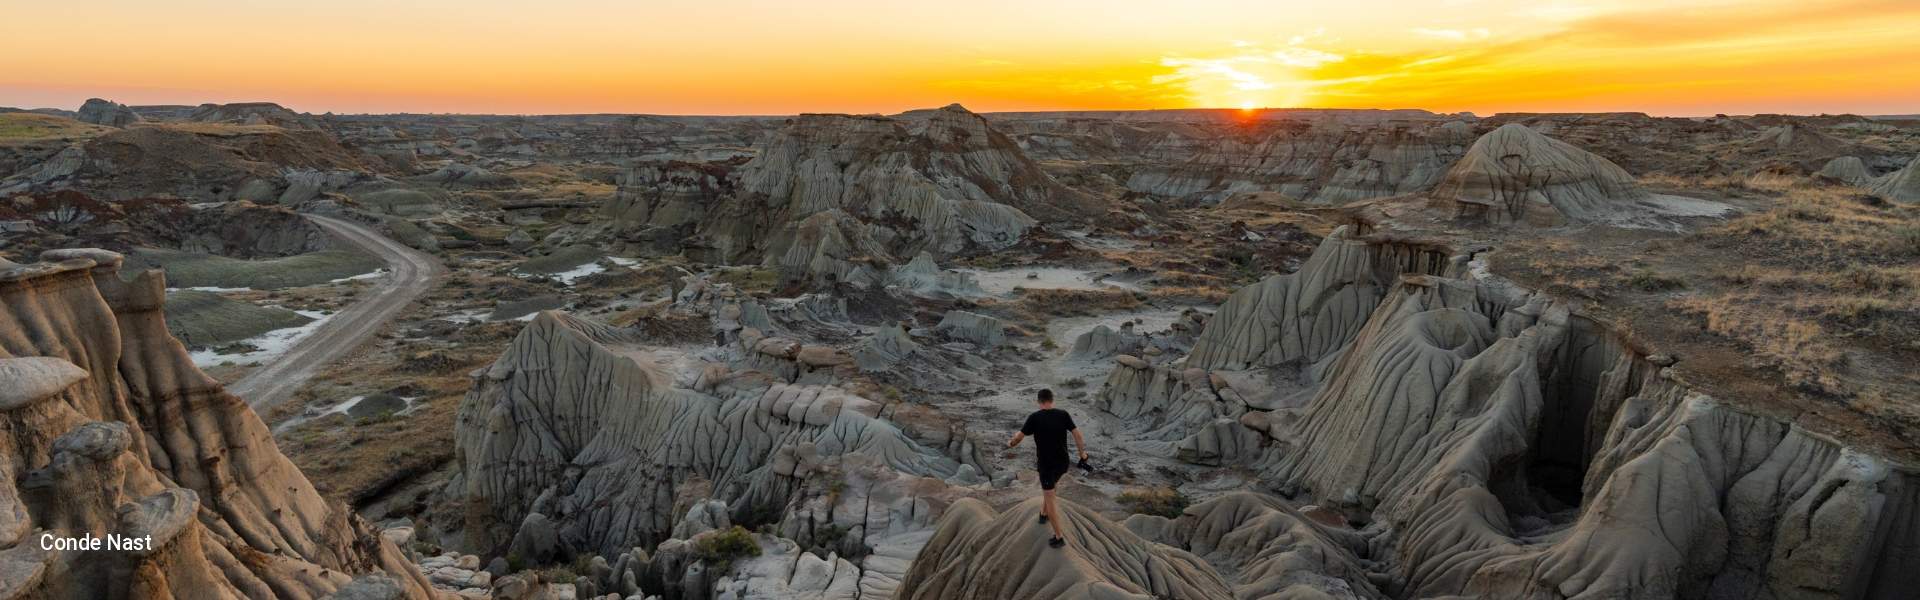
{"type": "Point", "coordinates": [720, 548]}
{"type": "Point", "coordinates": [1859, 311]}
{"type": "Point", "coordinates": [1865, 278]}
{"type": "Point", "coordinates": [562, 574]}
{"type": "Point", "coordinates": [1804, 211]}
{"type": "Point", "coordinates": [1163, 501]}
{"type": "Point", "coordinates": [425, 548]}
{"type": "Point", "coordinates": [1906, 239]}
{"type": "Point", "coordinates": [1648, 281]}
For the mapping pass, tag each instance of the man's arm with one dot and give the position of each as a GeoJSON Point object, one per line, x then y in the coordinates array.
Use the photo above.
{"type": "Point", "coordinates": [1080, 442]}
{"type": "Point", "coordinates": [1020, 435]}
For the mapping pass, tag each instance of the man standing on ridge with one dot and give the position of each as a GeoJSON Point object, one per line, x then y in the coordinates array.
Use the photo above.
{"type": "Point", "coordinates": [1049, 427]}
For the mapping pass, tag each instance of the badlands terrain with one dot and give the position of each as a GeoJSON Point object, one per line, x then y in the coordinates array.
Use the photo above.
{"type": "Point", "coordinates": [1316, 354]}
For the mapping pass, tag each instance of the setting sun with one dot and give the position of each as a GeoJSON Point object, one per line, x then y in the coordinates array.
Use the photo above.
{"type": "Point", "coordinates": [1684, 57]}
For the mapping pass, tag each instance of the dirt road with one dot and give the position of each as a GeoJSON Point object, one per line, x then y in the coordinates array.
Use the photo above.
{"type": "Point", "coordinates": [412, 273]}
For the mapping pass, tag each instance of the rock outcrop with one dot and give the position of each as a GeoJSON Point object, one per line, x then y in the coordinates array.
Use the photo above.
{"type": "Point", "coordinates": [1302, 317]}
{"type": "Point", "coordinates": [1515, 174]}
{"type": "Point", "coordinates": [1849, 170]}
{"type": "Point", "coordinates": [1515, 450]}
{"type": "Point", "coordinates": [1268, 549]}
{"type": "Point", "coordinates": [257, 164]}
{"type": "Point", "coordinates": [106, 428]}
{"type": "Point", "coordinates": [981, 554]}
{"type": "Point", "coordinates": [1265, 348]}
{"type": "Point", "coordinates": [250, 113]}
{"type": "Point", "coordinates": [105, 112]}
{"type": "Point", "coordinates": [1900, 186]}
{"type": "Point", "coordinates": [1505, 446]}
{"type": "Point", "coordinates": [574, 435]}
{"type": "Point", "coordinates": [829, 193]}
{"type": "Point", "coordinates": [1323, 162]}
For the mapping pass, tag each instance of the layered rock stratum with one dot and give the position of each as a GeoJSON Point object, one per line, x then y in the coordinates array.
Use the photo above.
{"type": "Point", "coordinates": [1507, 446]}
{"type": "Point", "coordinates": [110, 430]}
{"type": "Point", "coordinates": [1900, 186]}
{"type": "Point", "coordinates": [575, 434]}
{"type": "Point", "coordinates": [1516, 174]}
{"type": "Point", "coordinates": [829, 193]}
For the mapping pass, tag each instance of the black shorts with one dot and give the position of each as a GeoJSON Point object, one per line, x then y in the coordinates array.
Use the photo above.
{"type": "Point", "coordinates": [1050, 475]}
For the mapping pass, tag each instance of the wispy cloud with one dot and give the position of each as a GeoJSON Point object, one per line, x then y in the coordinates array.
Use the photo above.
{"type": "Point", "coordinates": [1456, 35]}
{"type": "Point", "coordinates": [1250, 74]}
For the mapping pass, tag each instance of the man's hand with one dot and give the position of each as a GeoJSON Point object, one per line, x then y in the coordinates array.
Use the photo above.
{"type": "Point", "coordinates": [1017, 436]}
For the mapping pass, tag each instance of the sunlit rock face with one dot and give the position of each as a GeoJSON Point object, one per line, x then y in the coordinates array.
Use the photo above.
{"type": "Point", "coordinates": [107, 429]}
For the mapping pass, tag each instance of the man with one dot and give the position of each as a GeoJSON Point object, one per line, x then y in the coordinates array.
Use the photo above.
{"type": "Point", "coordinates": [1049, 427]}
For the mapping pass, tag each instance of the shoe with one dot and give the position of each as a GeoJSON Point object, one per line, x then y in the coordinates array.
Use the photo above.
{"type": "Point", "coordinates": [1057, 542]}
{"type": "Point", "coordinates": [1043, 519]}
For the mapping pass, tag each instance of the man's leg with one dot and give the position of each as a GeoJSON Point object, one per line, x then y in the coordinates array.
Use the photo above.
{"type": "Point", "coordinates": [1053, 514]}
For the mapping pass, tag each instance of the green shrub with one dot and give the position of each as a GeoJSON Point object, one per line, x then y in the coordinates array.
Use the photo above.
{"type": "Point", "coordinates": [720, 548]}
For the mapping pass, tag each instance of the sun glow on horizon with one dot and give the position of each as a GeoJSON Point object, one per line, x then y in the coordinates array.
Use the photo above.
{"type": "Point", "coordinates": [577, 56]}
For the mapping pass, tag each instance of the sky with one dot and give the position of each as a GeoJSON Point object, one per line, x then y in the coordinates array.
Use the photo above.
{"type": "Point", "coordinates": [1665, 57]}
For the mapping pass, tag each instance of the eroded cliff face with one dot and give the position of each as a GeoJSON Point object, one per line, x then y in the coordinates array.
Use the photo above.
{"type": "Point", "coordinates": [574, 441]}
{"type": "Point", "coordinates": [113, 431]}
{"type": "Point", "coordinates": [943, 182]}
{"type": "Point", "coordinates": [1326, 162]}
{"type": "Point", "coordinates": [1502, 445]}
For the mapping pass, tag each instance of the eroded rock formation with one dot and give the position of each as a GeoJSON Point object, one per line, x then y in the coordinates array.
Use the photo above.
{"type": "Point", "coordinates": [1505, 446]}
{"type": "Point", "coordinates": [1849, 170]}
{"type": "Point", "coordinates": [1515, 174]}
{"type": "Point", "coordinates": [574, 434]}
{"type": "Point", "coordinates": [1325, 161]}
{"type": "Point", "coordinates": [105, 112]}
{"type": "Point", "coordinates": [1900, 186]}
{"type": "Point", "coordinates": [109, 429]}
{"type": "Point", "coordinates": [1513, 449]}
{"type": "Point", "coordinates": [830, 193]}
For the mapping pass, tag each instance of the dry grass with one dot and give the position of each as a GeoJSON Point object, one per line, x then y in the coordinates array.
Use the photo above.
{"type": "Point", "coordinates": [1073, 303]}
{"type": "Point", "coordinates": [20, 127]}
{"type": "Point", "coordinates": [1807, 307]}
{"type": "Point", "coordinates": [1829, 274]}
{"type": "Point", "coordinates": [215, 129]}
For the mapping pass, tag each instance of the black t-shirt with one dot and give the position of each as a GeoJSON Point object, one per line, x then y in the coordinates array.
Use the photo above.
{"type": "Point", "coordinates": [1048, 428]}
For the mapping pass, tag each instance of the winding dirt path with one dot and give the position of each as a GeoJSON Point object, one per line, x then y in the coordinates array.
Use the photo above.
{"type": "Point", "coordinates": [413, 272]}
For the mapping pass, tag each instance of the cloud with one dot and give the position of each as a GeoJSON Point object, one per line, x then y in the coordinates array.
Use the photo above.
{"type": "Point", "coordinates": [1306, 58]}
{"type": "Point", "coordinates": [1456, 35]}
{"type": "Point", "coordinates": [1250, 73]}
{"type": "Point", "coordinates": [1216, 69]}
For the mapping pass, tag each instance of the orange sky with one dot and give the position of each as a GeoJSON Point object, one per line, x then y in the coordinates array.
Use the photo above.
{"type": "Point", "coordinates": [1674, 57]}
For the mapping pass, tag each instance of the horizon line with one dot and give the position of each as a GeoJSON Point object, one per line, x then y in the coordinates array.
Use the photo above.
{"type": "Point", "coordinates": [1462, 114]}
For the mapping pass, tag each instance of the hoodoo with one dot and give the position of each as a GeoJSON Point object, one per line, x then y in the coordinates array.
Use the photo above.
{"type": "Point", "coordinates": [1515, 174]}
{"type": "Point", "coordinates": [1900, 186]}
